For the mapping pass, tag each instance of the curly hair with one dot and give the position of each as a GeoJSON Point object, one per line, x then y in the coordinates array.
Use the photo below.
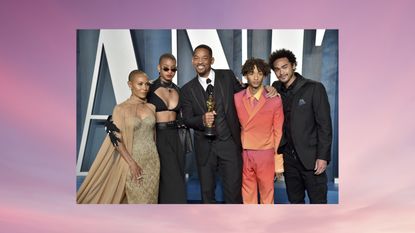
{"type": "Point", "coordinates": [281, 53]}
{"type": "Point", "coordinates": [260, 64]}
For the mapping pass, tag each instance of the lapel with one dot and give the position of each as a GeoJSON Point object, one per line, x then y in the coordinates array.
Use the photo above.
{"type": "Point", "coordinates": [297, 95]}
{"type": "Point", "coordinates": [253, 111]}
{"type": "Point", "coordinates": [198, 94]}
{"type": "Point", "coordinates": [246, 103]}
{"type": "Point", "coordinates": [301, 81]}
{"type": "Point", "coordinates": [219, 89]}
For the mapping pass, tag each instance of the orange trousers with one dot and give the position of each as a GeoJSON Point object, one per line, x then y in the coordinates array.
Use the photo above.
{"type": "Point", "coordinates": [258, 174]}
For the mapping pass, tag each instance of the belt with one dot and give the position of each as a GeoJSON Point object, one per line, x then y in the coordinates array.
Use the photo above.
{"type": "Point", "coordinates": [166, 125]}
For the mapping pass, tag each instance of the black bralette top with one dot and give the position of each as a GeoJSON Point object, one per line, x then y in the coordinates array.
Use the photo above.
{"type": "Point", "coordinates": [153, 98]}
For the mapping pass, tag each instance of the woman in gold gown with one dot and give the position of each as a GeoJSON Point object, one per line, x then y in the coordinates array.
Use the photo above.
{"type": "Point", "coordinates": [129, 171]}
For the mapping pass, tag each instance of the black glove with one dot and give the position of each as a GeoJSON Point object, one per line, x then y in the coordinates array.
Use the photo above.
{"type": "Point", "coordinates": [110, 128]}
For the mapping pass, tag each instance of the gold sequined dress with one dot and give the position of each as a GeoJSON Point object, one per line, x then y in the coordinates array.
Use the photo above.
{"type": "Point", "coordinates": [109, 180]}
{"type": "Point", "coordinates": [145, 154]}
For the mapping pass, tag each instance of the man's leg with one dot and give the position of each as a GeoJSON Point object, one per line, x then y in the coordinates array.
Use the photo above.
{"type": "Point", "coordinates": [293, 179]}
{"type": "Point", "coordinates": [249, 183]}
{"type": "Point", "coordinates": [207, 177]}
{"type": "Point", "coordinates": [265, 170]}
{"type": "Point", "coordinates": [230, 166]}
{"type": "Point", "coordinates": [316, 186]}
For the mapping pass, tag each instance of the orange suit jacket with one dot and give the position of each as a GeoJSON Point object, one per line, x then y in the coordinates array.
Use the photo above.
{"type": "Point", "coordinates": [261, 126]}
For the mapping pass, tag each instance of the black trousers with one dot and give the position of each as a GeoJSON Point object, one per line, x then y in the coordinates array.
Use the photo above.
{"type": "Point", "coordinates": [172, 189]}
{"type": "Point", "coordinates": [298, 180]}
{"type": "Point", "coordinates": [226, 159]}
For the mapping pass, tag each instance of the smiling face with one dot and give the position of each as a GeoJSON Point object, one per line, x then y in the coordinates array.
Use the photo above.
{"type": "Point", "coordinates": [202, 61]}
{"type": "Point", "coordinates": [139, 86]}
{"type": "Point", "coordinates": [284, 71]}
{"type": "Point", "coordinates": [167, 69]}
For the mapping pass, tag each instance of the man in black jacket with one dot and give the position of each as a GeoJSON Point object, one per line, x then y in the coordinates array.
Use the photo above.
{"type": "Point", "coordinates": [222, 152]}
{"type": "Point", "coordinates": [307, 137]}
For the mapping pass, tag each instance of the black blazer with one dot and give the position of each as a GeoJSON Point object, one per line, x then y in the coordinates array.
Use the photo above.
{"type": "Point", "coordinates": [194, 107]}
{"type": "Point", "coordinates": [310, 121]}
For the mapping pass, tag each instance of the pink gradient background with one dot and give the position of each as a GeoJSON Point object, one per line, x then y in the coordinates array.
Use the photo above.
{"type": "Point", "coordinates": [377, 112]}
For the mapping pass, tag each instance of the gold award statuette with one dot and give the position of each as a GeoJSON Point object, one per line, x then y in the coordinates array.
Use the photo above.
{"type": "Point", "coordinates": [210, 128]}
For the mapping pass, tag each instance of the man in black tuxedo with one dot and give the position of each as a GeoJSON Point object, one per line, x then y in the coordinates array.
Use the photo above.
{"type": "Point", "coordinates": [307, 137]}
{"type": "Point", "coordinates": [223, 151]}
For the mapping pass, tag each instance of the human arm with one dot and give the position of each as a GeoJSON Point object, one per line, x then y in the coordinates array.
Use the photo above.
{"type": "Point", "coordinates": [320, 166]}
{"type": "Point", "coordinates": [190, 118]}
{"type": "Point", "coordinates": [208, 118]}
{"type": "Point", "coordinates": [279, 165]}
{"type": "Point", "coordinates": [278, 120]}
{"type": "Point", "coordinates": [271, 91]}
{"type": "Point", "coordinates": [321, 108]}
{"type": "Point", "coordinates": [237, 84]}
{"type": "Point", "coordinates": [118, 117]}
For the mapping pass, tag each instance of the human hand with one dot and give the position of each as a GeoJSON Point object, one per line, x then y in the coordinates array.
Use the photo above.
{"type": "Point", "coordinates": [320, 166]}
{"type": "Point", "coordinates": [271, 92]}
{"type": "Point", "coordinates": [278, 176]}
{"type": "Point", "coordinates": [136, 171]}
{"type": "Point", "coordinates": [209, 118]}
{"type": "Point", "coordinates": [278, 163]}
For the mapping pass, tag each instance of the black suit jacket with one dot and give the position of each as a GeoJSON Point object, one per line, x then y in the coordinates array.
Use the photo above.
{"type": "Point", "coordinates": [194, 107]}
{"type": "Point", "coordinates": [310, 121]}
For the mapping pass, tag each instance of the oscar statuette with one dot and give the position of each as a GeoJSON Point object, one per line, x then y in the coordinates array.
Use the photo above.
{"type": "Point", "coordinates": [210, 130]}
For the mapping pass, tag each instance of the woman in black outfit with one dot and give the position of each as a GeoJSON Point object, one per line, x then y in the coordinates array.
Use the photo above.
{"type": "Point", "coordinates": [164, 94]}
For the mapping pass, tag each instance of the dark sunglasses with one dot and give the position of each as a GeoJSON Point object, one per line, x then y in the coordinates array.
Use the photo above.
{"type": "Point", "coordinates": [165, 69]}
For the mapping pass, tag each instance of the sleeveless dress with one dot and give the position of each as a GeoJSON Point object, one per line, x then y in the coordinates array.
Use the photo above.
{"type": "Point", "coordinates": [144, 152]}
{"type": "Point", "coordinates": [109, 179]}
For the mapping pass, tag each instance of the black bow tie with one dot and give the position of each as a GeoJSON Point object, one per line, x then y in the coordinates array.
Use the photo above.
{"type": "Point", "coordinates": [209, 88]}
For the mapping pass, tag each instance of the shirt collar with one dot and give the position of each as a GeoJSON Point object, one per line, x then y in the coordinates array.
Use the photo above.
{"type": "Point", "coordinates": [202, 80]}
{"type": "Point", "coordinates": [292, 84]}
{"type": "Point", "coordinates": [257, 95]}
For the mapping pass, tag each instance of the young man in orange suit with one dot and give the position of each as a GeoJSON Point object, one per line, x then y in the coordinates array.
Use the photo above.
{"type": "Point", "coordinates": [261, 122]}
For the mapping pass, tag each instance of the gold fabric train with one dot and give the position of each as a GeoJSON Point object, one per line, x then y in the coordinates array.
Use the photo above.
{"type": "Point", "coordinates": [106, 179]}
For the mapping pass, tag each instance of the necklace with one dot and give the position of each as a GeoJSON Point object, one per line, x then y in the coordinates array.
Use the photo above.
{"type": "Point", "coordinates": [168, 85]}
